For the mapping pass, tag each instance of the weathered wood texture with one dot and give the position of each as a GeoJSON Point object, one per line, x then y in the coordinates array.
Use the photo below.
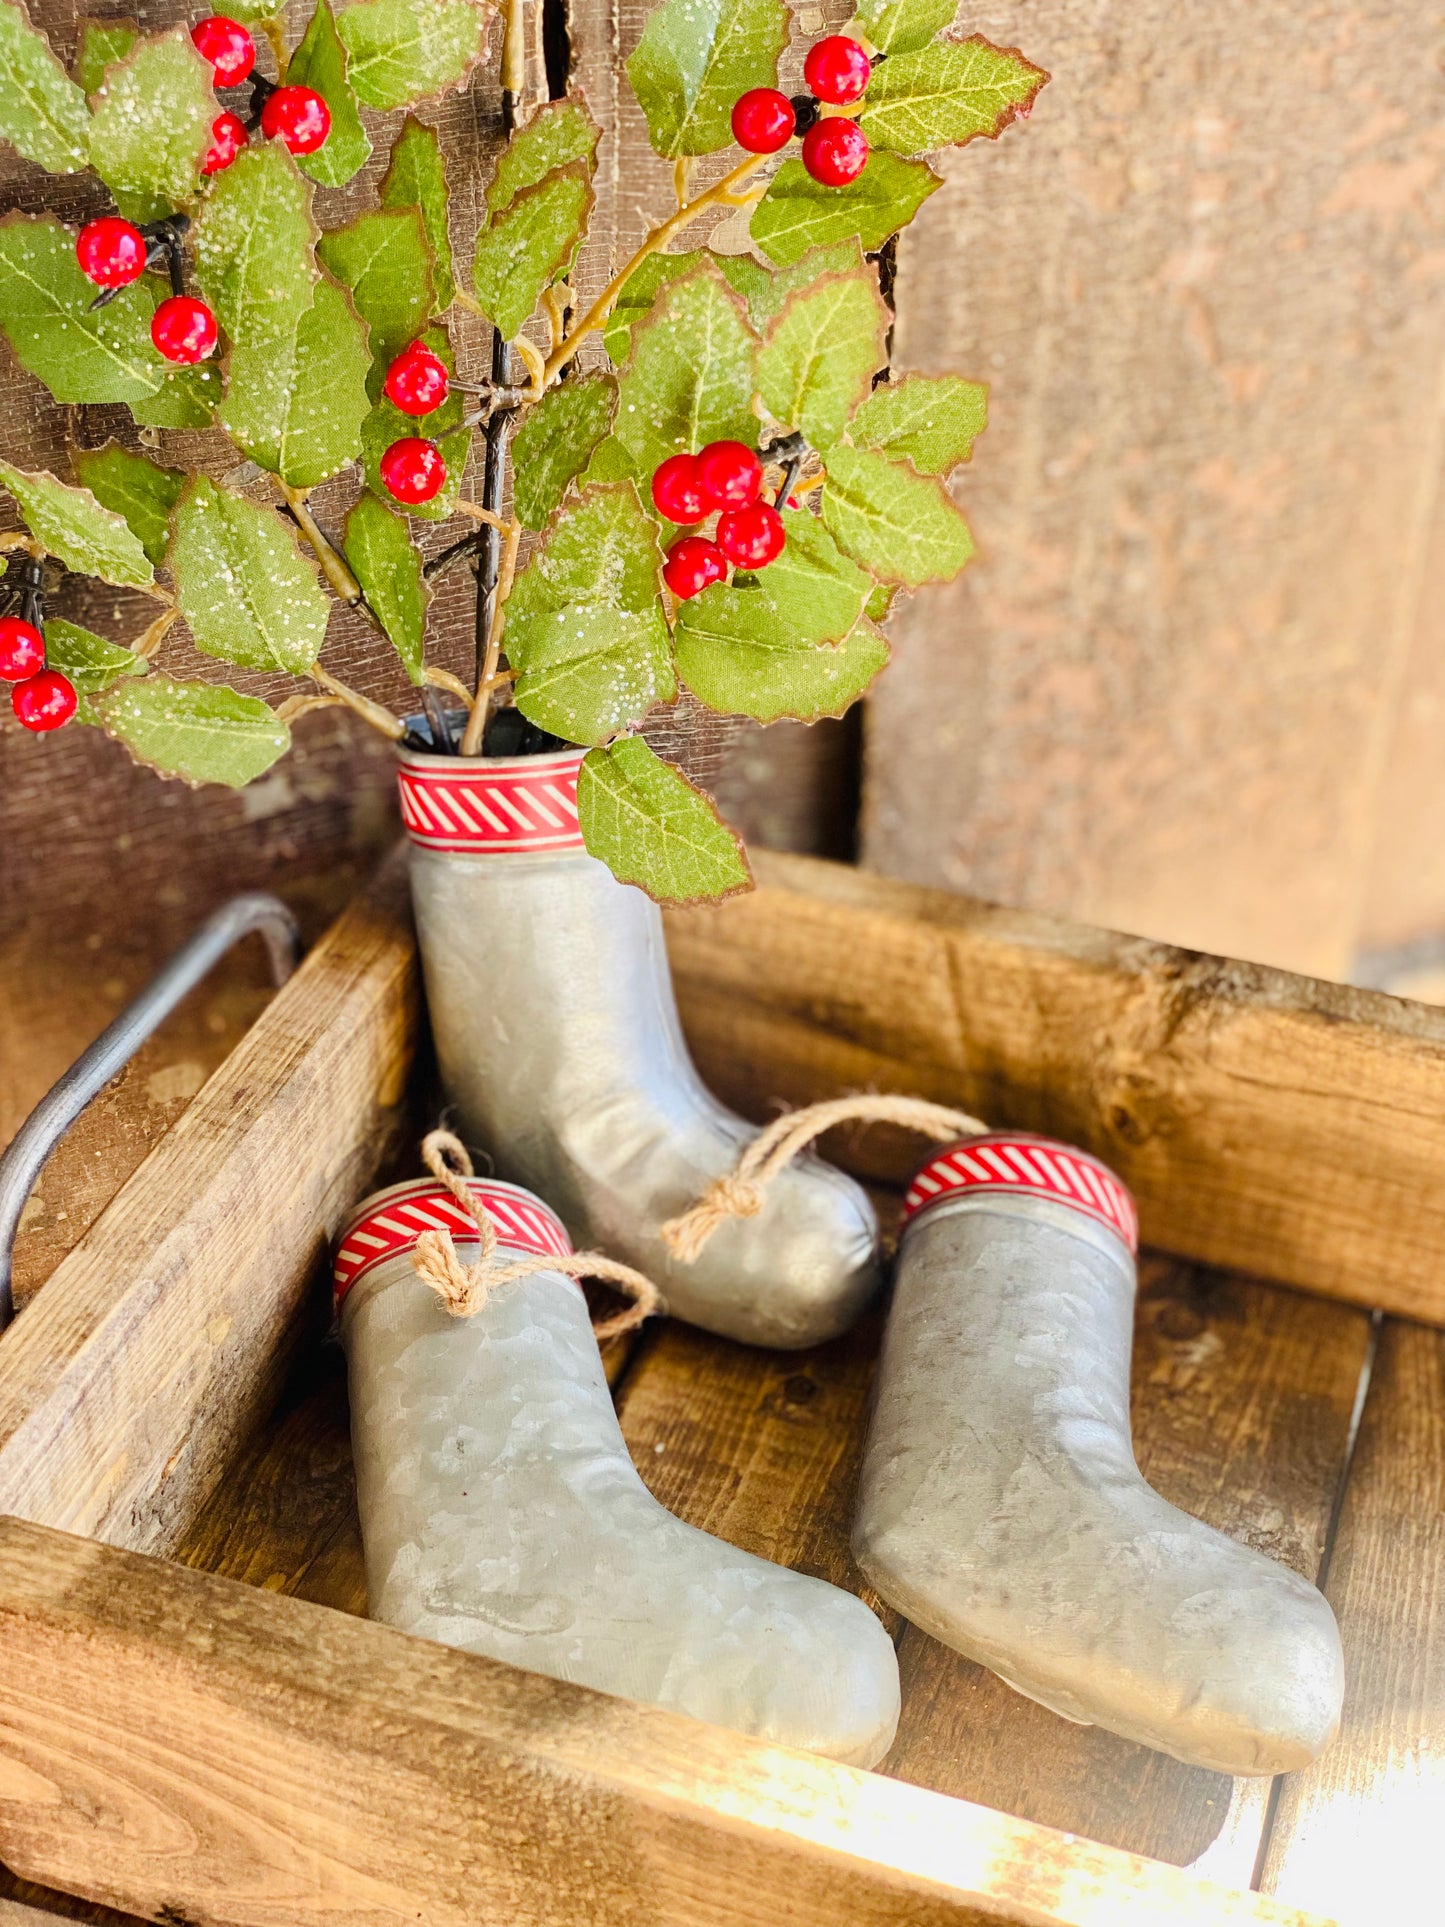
{"type": "Point", "coordinates": [173, 1741]}
{"type": "Point", "coordinates": [129, 1383]}
{"type": "Point", "coordinates": [1191, 687]}
{"type": "Point", "coordinates": [1266, 1122]}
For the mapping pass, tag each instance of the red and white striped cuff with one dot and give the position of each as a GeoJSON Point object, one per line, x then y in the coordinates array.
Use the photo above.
{"type": "Point", "coordinates": [515, 805]}
{"type": "Point", "coordinates": [391, 1221]}
{"type": "Point", "coordinates": [1036, 1167]}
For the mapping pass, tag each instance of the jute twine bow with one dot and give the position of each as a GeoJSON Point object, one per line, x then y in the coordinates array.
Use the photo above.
{"type": "Point", "coordinates": [464, 1289]}
{"type": "Point", "coordinates": [742, 1192]}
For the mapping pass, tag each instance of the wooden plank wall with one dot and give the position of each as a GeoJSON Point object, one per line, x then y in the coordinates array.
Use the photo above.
{"type": "Point", "coordinates": [1194, 685]}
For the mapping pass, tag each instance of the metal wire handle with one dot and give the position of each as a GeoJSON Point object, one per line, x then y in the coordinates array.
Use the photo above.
{"type": "Point", "coordinates": [62, 1104]}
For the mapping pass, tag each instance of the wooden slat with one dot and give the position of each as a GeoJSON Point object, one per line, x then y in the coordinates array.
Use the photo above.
{"type": "Point", "coordinates": [1360, 1832]}
{"type": "Point", "coordinates": [190, 1748]}
{"type": "Point", "coordinates": [127, 1386]}
{"type": "Point", "coordinates": [1267, 1123]}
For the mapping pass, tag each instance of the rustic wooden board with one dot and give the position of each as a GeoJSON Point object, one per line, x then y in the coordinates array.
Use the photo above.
{"type": "Point", "coordinates": [1359, 1833]}
{"type": "Point", "coordinates": [178, 1744]}
{"type": "Point", "coordinates": [1267, 1123]}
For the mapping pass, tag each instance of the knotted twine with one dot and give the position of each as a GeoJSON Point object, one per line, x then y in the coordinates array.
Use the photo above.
{"type": "Point", "coordinates": [464, 1289]}
{"type": "Point", "coordinates": [742, 1192]}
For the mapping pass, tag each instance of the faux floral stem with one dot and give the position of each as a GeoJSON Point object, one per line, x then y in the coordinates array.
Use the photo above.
{"type": "Point", "coordinates": [295, 706]}
{"type": "Point", "coordinates": [478, 513]}
{"type": "Point", "coordinates": [453, 685]}
{"type": "Point", "coordinates": [477, 721]}
{"type": "Point", "coordinates": [276, 34]}
{"type": "Point", "coordinates": [514, 49]}
{"type": "Point", "coordinates": [369, 711]}
{"type": "Point", "coordinates": [154, 636]}
{"type": "Point", "coordinates": [333, 564]}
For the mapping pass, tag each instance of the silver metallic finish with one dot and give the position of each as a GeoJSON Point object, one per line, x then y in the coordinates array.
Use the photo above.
{"type": "Point", "coordinates": [1002, 1510]}
{"type": "Point", "coordinates": [501, 1513]}
{"type": "Point", "coordinates": [120, 1040]}
{"type": "Point", "coordinates": [557, 1031]}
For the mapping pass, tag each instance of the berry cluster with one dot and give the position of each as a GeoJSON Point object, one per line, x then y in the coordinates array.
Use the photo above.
{"type": "Point", "coordinates": [726, 478]}
{"type": "Point", "coordinates": [42, 698]}
{"type": "Point", "coordinates": [416, 383]}
{"type": "Point", "coordinates": [835, 149]}
{"type": "Point", "coordinates": [296, 116]}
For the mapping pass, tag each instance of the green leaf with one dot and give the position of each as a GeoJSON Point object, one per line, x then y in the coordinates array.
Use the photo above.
{"type": "Point", "coordinates": [902, 26]}
{"type": "Point", "coordinates": [946, 95]}
{"type": "Point", "coordinates": [101, 42]}
{"type": "Point", "coordinates": [186, 398]}
{"type": "Point", "coordinates": [202, 732]}
{"type": "Point", "coordinates": [822, 353]}
{"type": "Point", "coordinates": [555, 443]}
{"type": "Point", "coordinates": [136, 488]}
{"type": "Point", "coordinates": [932, 419]}
{"type": "Point", "coordinates": [694, 59]}
{"type": "Point", "coordinates": [42, 111]}
{"type": "Point", "coordinates": [242, 585]}
{"type": "Point", "coordinates": [559, 133]}
{"type": "Point", "coordinates": [602, 551]}
{"type": "Point", "coordinates": [384, 259]}
{"type": "Point", "coordinates": [766, 290]}
{"type": "Point", "coordinates": [647, 823]}
{"type": "Point", "coordinates": [72, 526]}
{"type": "Point", "coordinates": [403, 50]}
{"type": "Point", "coordinates": [320, 63]}
{"type": "Point", "coordinates": [416, 176]}
{"type": "Point", "coordinates": [296, 407]}
{"type": "Point", "coordinates": [690, 378]}
{"type": "Point", "coordinates": [529, 245]}
{"type": "Point", "coordinates": [248, 11]}
{"type": "Point", "coordinates": [641, 290]}
{"type": "Point", "coordinates": [91, 663]}
{"type": "Point", "coordinates": [902, 526]}
{"type": "Point", "coordinates": [151, 125]}
{"type": "Point", "coordinates": [798, 213]}
{"type": "Point", "coordinates": [383, 560]}
{"type": "Point", "coordinates": [254, 241]}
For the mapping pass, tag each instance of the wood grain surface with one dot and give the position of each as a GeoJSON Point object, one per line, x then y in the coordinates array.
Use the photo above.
{"type": "Point", "coordinates": [1192, 685]}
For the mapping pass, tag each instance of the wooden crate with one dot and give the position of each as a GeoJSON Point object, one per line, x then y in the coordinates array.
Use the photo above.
{"type": "Point", "coordinates": [197, 1725]}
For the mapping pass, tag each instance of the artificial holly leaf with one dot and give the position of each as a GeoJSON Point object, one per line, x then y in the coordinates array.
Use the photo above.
{"type": "Point", "coordinates": [241, 583]}
{"type": "Point", "coordinates": [383, 560]}
{"type": "Point", "coordinates": [91, 663]}
{"type": "Point", "coordinates": [902, 526]}
{"type": "Point", "coordinates": [202, 732]}
{"type": "Point", "coordinates": [945, 95]}
{"type": "Point", "coordinates": [186, 398]}
{"type": "Point", "coordinates": [403, 50]}
{"type": "Point", "coordinates": [416, 176]}
{"type": "Point", "coordinates": [529, 245]}
{"type": "Point", "coordinates": [559, 133]}
{"type": "Point", "coordinates": [932, 419]}
{"type": "Point", "coordinates": [694, 59]}
{"type": "Point", "coordinates": [798, 213]}
{"type": "Point", "coordinates": [386, 424]}
{"type": "Point", "coordinates": [604, 550]}
{"type": "Point", "coordinates": [251, 10]}
{"type": "Point", "coordinates": [901, 26]}
{"type": "Point", "coordinates": [821, 354]}
{"type": "Point", "coordinates": [101, 42]}
{"type": "Point", "coordinates": [320, 63]}
{"type": "Point", "coordinates": [641, 290]}
{"type": "Point", "coordinates": [296, 407]}
{"type": "Point", "coordinates": [42, 111]}
{"type": "Point", "coordinates": [647, 823]}
{"type": "Point", "coordinates": [135, 488]}
{"type": "Point", "coordinates": [384, 259]}
{"type": "Point", "coordinates": [690, 378]}
{"type": "Point", "coordinates": [254, 246]}
{"type": "Point", "coordinates": [767, 290]}
{"type": "Point", "coordinates": [73, 527]}
{"type": "Point", "coordinates": [555, 443]}
{"type": "Point", "coordinates": [764, 289]}
{"type": "Point", "coordinates": [150, 125]}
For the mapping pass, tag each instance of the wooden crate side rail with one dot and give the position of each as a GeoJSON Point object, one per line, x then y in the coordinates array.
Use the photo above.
{"type": "Point", "coordinates": [1266, 1122]}
{"type": "Point", "coordinates": [133, 1377]}
{"type": "Point", "coordinates": [181, 1746]}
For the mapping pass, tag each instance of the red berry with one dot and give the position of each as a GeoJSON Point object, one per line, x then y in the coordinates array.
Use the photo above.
{"type": "Point", "coordinates": [183, 328]}
{"type": "Point", "coordinates": [298, 116]}
{"type": "Point", "coordinates": [111, 252]}
{"type": "Point", "coordinates": [417, 381]}
{"type": "Point", "coordinates": [46, 701]}
{"type": "Point", "coordinates": [835, 152]}
{"type": "Point", "coordinates": [22, 649]}
{"type": "Point", "coordinates": [677, 491]}
{"type": "Point", "coordinates": [751, 537]}
{"type": "Point", "coordinates": [227, 45]}
{"type": "Point", "coordinates": [413, 470]}
{"type": "Point", "coordinates": [763, 120]}
{"type": "Point", "coordinates": [692, 564]}
{"type": "Point", "coordinates": [228, 137]}
{"type": "Point", "coordinates": [837, 70]}
{"type": "Point", "coordinates": [730, 474]}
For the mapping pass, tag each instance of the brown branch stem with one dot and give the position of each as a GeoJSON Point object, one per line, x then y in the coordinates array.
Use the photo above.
{"type": "Point", "coordinates": [370, 712]}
